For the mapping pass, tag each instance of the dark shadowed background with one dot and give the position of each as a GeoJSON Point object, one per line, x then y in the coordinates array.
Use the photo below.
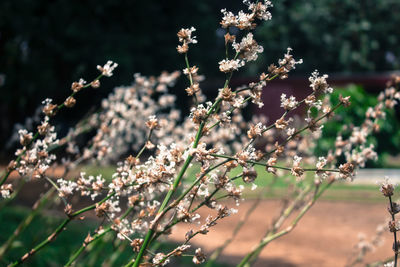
{"type": "Point", "coordinates": [46, 45]}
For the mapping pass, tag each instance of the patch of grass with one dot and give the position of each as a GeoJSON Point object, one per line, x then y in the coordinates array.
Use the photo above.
{"type": "Point", "coordinates": [105, 171]}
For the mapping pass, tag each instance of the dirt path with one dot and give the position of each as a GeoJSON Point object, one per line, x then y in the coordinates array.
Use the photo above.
{"type": "Point", "coordinates": [325, 236]}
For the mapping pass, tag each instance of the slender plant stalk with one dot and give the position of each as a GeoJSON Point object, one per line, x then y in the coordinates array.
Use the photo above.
{"type": "Point", "coordinates": [286, 212]}
{"type": "Point", "coordinates": [144, 145]}
{"type": "Point", "coordinates": [37, 207]}
{"type": "Point", "coordinates": [395, 244]}
{"type": "Point", "coordinates": [84, 245]}
{"type": "Point", "coordinates": [78, 252]}
{"type": "Point", "coordinates": [287, 230]}
{"type": "Point", "coordinates": [95, 237]}
{"type": "Point", "coordinates": [167, 198]}
{"type": "Point", "coordinates": [272, 166]}
{"type": "Point", "coordinates": [115, 255]}
{"type": "Point", "coordinates": [380, 263]}
{"type": "Point", "coordinates": [239, 226]}
{"type": "Point", "coordinates": [57, 231]}
{"type": "Point", "coordinates": [91, 261]}
{"type": "Point", "coordinates": [254, 163]}
{"type": "Point", "coordinates": [178, 179]}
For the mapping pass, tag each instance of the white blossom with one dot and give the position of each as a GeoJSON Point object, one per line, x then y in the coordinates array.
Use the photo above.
{"type": "Point", "coordinates": [288, 103]}
{"type": "Point", "coordinates": [248, 48]}
{"type": "Point", "coordinates": [227, 66]}
{"type": "Point", "coordinates": [319, 83]}
{"type": "Point", "coordinates": [108, 68]}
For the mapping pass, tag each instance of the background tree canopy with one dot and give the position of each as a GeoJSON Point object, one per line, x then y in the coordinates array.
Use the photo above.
{"type": "Point", "coordinates": [337, 35]}
{"type": "Point", "coordinates": [45, 45]}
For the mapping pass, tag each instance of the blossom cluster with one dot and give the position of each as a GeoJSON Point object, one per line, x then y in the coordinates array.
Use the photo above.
{"type": "Point", "coordinates": [139, 128]}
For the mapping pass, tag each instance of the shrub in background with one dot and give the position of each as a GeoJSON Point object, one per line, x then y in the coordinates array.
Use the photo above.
{"type": "Point", "coordinates": [386, 140]}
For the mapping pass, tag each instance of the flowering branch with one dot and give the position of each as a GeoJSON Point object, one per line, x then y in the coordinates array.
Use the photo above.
{"type": "Point", "coordinates": [57, 231]}
{"type": "Point", "coordinates": [237, 229]}
{"type": "Point", "coordinates": [287, 230]}
{"type": "Point", "coordinates": [51, 109]}
{"type": "Point", "coordinates": [285, 213]}
{"type": "Point", "coordinates": [274, 166]}
{"type": "Point", "coordinates": [90, 239]}
{"type": "Point", "coordinates": [39, 204]}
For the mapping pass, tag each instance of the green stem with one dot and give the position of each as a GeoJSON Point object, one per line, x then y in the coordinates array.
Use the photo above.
{"type": "Point", "coordinates": [144, 246]}
{"type": "Point", "coordinates": [37, 207]}
{"type": "Point", "coordinates": [95, 237]}
{"type": "Point", "coordinates": [149, 235]}
{"type": "Point", "coordinates": [57, 231]}
{"type": "Point", "coordinates": [395, 244]}
{"type": "Point", "coordinates": [144, 146]}
{"type": "Point", "coordinates": [272, 166]}
{"type": "Point", "coordinates": [190, 77]}
{"type": "Point", "coordinates": [287, 230]}
{"type": "Point", "coordinates": [57, 188]}
{"type": "Point", "coordinates": [121, 246]}
{"type": "Point", "coordinates": [281, 219]}
{"type": "Point", "coordinates": [188, 68]}
{"type": "Point", "coordinates": [241, 223]}
{"type": "Point", "coordinates": [176, 201]}
{"type": "Point", "coordinates": [178, 179]}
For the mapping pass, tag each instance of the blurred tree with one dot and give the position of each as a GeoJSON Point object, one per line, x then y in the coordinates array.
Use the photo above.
{"type": "Point", "coordinates": [336, 35]}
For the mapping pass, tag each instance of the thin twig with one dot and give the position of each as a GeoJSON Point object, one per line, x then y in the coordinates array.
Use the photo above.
{"type": "Point", "coordinates": [287, 230]}
{"type": "Point", "coordinates": [57, 231]}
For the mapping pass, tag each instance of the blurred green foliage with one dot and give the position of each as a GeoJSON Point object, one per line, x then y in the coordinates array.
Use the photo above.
{"type": "Point", "coordinates": [336, 35]}
{"type": "Point", "coordinates": [386, 141]}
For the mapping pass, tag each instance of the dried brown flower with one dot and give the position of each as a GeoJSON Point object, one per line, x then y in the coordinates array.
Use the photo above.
{"type": "Point", "coordinates": [70, 102]}
{"type": "Point", "coordinates": [95, 84]}
{"type": "Point", "coordinates": [50, 110]}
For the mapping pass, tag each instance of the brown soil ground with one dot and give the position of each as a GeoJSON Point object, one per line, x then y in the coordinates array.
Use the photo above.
{"type": "Point", "coordinates": [326, 236]}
